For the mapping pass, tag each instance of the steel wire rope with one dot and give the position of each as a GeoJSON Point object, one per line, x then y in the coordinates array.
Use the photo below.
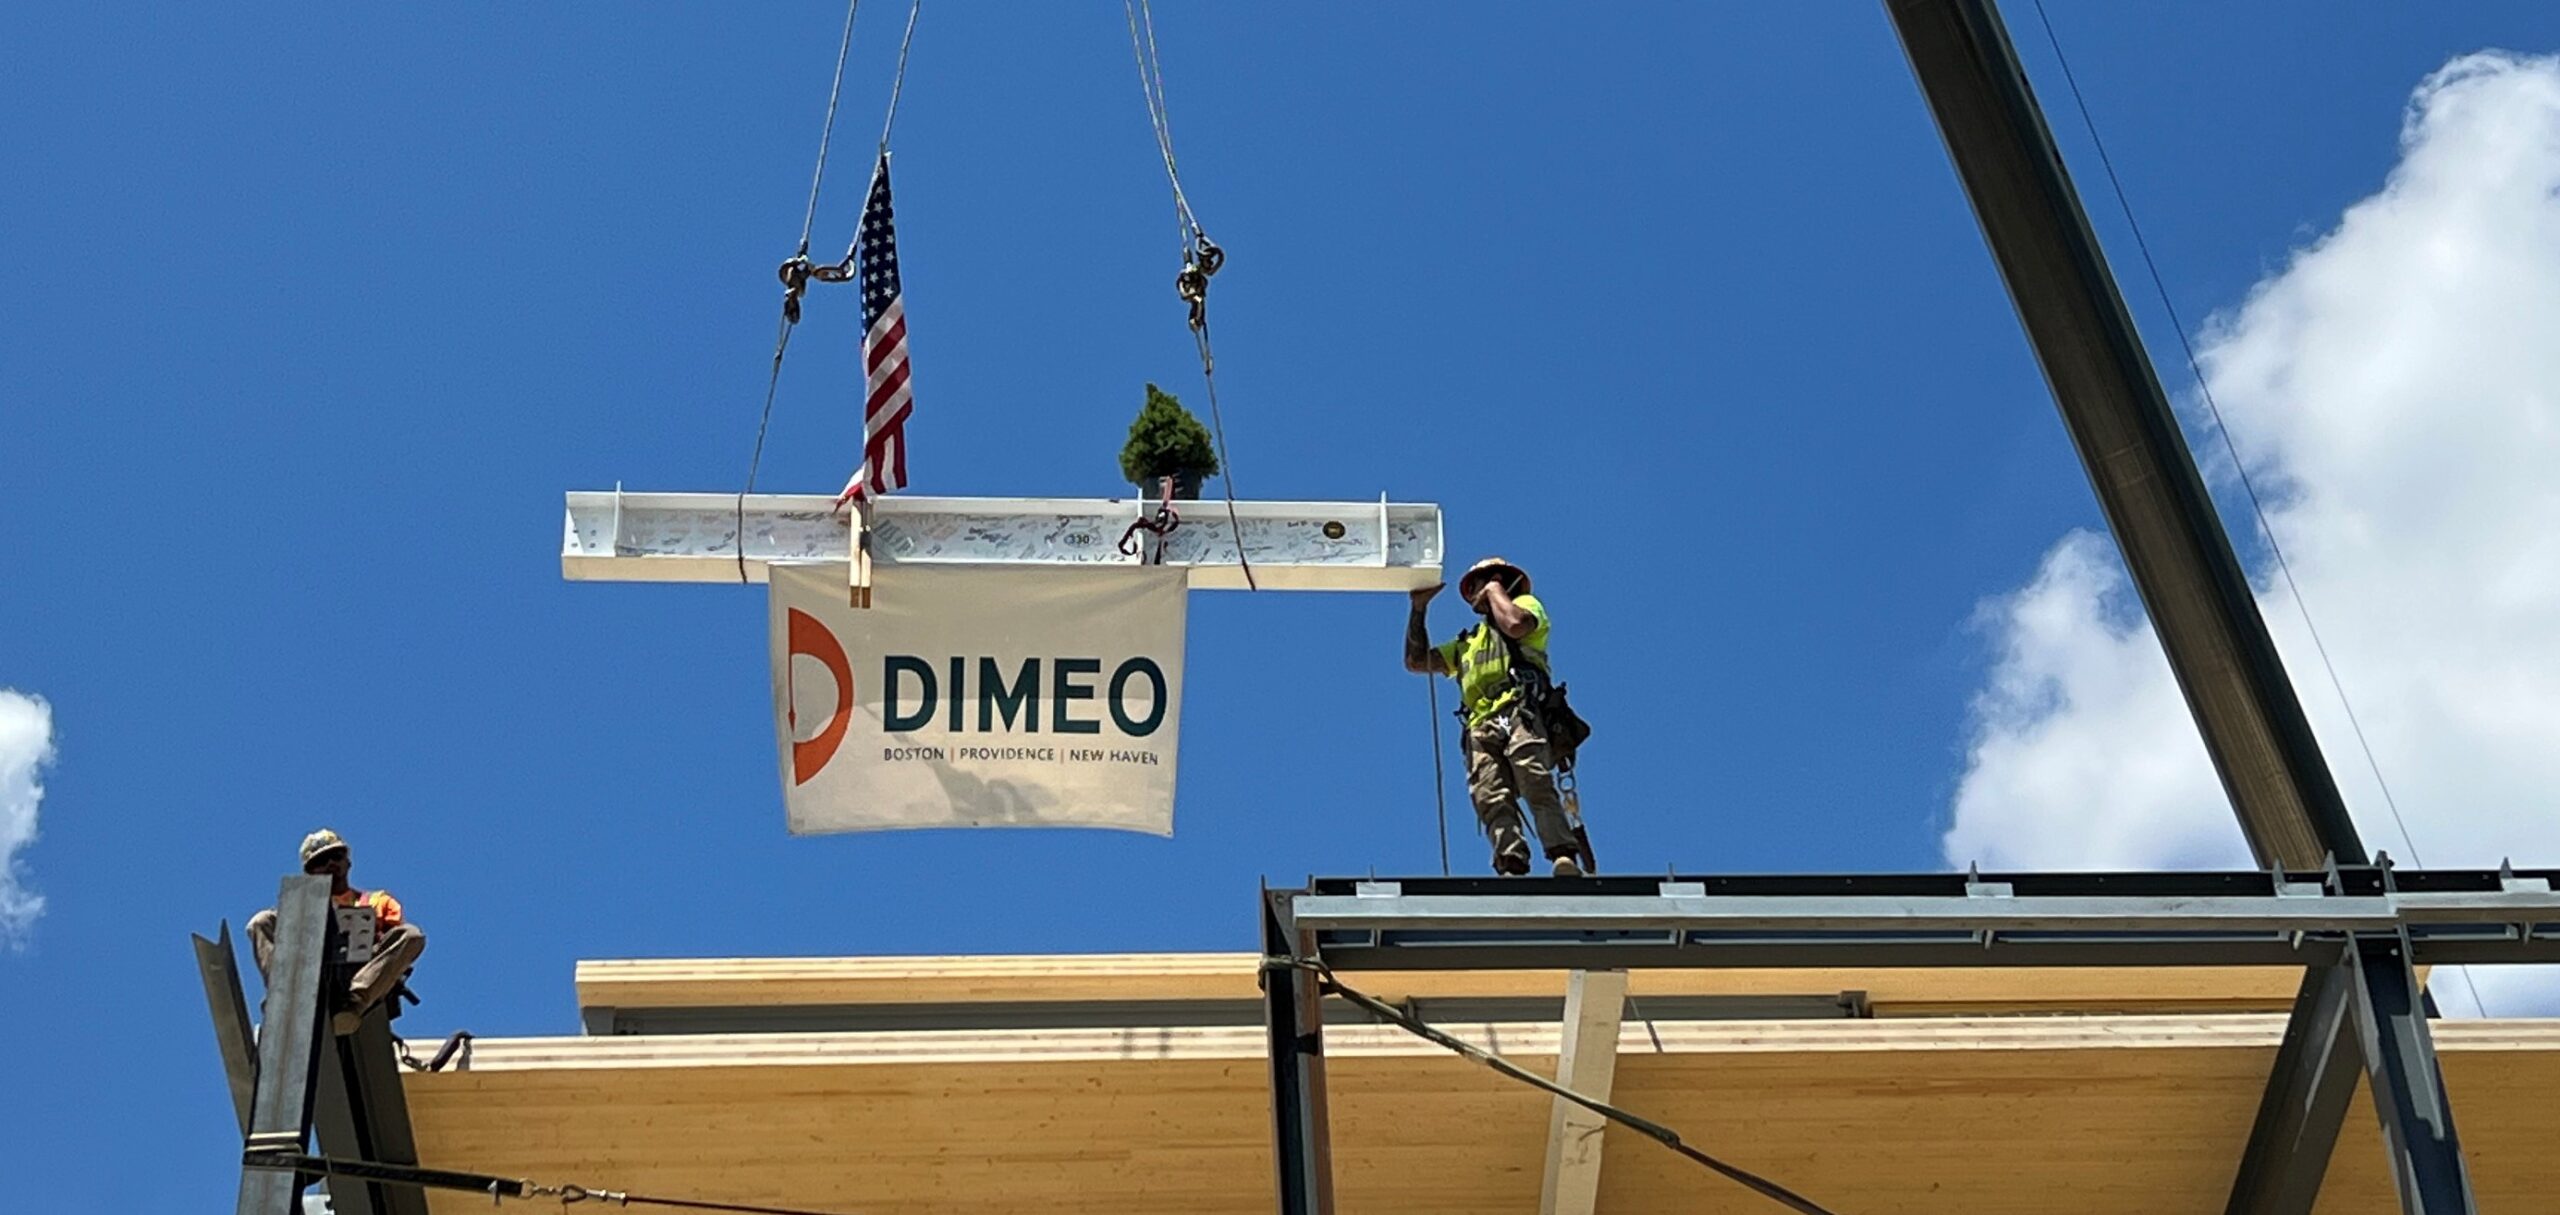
{"type": "Point", "coordinates": [1638, 1123]}
{"type": "Point", "coordinates": [800, 259]}
{"type": "Point", "coordinates": [2222, 428]}
{"type": "Point", "coordinates": [1226, 463]}
{"type": "Point", "coordinates": [1159, 117]}
{"type": "Point", "coordinates": [1200, 255]}
{"type": "Point", "coordinates": [495, 1187]}
{"type": "Point", "coordinates": [898, 81]}
{"type": "Point", "coordinates": [843, 269]}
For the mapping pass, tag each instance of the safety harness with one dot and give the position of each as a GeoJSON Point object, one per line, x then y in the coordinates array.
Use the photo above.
{"type": "Point", "coordinates": [1543, 699]}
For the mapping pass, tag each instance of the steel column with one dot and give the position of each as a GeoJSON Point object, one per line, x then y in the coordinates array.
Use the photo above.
{"type": "Point", "coordinates": [289, 1036]}
{"type": "Point", "coordinates": [1293, 1012]}
{"type": "Point", "coordinates": [218, 964]}
{"type": "Point", "coordinates": [2127, 435]}
{"type": "Point", "coordinates": [2309, 1090]}
{"type": "Point", "coordinates": [2408, 1087]}
{"type": "Point", "coordinates": [362, 1114]}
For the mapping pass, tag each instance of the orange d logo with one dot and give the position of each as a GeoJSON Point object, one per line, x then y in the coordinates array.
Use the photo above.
{"type": "Point", "coordinates": [809, 637]}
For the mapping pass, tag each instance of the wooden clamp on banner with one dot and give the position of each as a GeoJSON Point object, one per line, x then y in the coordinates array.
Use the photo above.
{"type": "Point", "coordinates": [858, 569]}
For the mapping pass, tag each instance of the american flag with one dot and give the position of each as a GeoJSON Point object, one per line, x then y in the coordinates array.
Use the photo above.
{"type": "Point", "coordinates": [887, 403]}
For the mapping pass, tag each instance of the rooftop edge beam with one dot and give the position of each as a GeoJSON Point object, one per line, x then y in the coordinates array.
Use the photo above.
{"type": "Point", "coordinates": [1879, 914]}
{"type": "Point", "coordinates": [1923, 920]}
{"type": "Point", "coordinates": [2127, 436]}
{"type": "Point", "coordinates": [2180, 883]}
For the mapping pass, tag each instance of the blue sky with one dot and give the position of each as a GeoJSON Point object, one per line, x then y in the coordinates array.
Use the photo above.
{"type": "Point", "coordinates": [314, 312]}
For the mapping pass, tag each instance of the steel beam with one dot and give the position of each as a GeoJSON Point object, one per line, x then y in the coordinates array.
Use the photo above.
{"type": "Point", "coordinates": [1872, 915]}
{"type": "Point", "coordinates": [1587, 1062]}
{"type": "Point", "coordinates": [2309, 1089]}
{"type": "Point", "coordinates": [290, 1033]}
{"type": "Point", "coordinates": [1565, 951]}
{"type": "Point", "coordinates": [2359, 880]}
{"type": "Point", "coordinates": [218, 964]}
{"type": "Point", "coordinates": [1294, 1015]}
{"type": "Point", "coordinates": [2169, 919]}
{"type": "Point", "coordinates": [2408, 1087]}
{"type": "Point", "coordinates": [2127, 435]}
{"type": "Point", "coordinates": [1345, 546]}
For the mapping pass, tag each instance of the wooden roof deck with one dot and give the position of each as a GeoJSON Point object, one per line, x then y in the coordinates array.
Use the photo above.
{"type": "Point", "coordinates": [2094, 1113]}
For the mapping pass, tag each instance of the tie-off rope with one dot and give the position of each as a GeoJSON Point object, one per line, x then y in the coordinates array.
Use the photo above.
{"type": "Point", "coordinates": [2204, 389]}
{"type": "Point", "coordinates": [1439, 782]}
{"type": "Point", "coordinates": [1406, 1021]}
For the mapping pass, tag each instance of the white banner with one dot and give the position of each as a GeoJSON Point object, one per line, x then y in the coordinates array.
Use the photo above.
{"type": "Point", "coordinates": [978, 697]}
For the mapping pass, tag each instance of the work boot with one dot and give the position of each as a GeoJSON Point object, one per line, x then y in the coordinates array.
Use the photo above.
{"type": "Point", "coordinates": [1511, 864]}
{"type": "Point", "coordinates": [1568, 867]}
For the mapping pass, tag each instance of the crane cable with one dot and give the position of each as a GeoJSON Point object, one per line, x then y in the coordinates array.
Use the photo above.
{"type": "Point", "coordinates": [897, 88]}
{"type": "Point", "coordinates": [1405, 1020]}
{"type": "Point", "coordinates": [795, 272]}
{"type": "Point", "coordinates": [843, 270]}
{"type": "Point", "coordinates": [1201, 257]}
{"type": "Point", "coordinates": [2204, 390]}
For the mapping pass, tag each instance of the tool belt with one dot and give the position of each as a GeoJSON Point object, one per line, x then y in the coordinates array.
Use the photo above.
{"type": "Point", "coordinates": [1544, 698]}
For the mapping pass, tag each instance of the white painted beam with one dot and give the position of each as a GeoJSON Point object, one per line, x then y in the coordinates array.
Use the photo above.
{"type": "Point", "coordinates": [1586, 1062]}
{"type": "Point", "coordinates": [1343, 546]}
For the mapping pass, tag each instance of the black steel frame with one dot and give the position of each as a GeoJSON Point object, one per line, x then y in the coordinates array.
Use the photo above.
{"type": "Point", "coordinates": [2358, 931]}
{"type": "Point", "coordinates": [2127, 435]}
{"type": "Point", "coordinates": [300, 1076]}
{"type": "Point", "coordinates": [2174, 545]}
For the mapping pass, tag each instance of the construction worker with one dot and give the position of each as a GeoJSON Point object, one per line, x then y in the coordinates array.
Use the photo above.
{"type": "Point", "coordinates": [396, 943]}
{"type": "Point", "coordinates": [1506, 744]}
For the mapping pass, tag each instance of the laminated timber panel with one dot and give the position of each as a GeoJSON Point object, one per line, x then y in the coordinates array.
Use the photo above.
{"type": "Point", "coordinates": [776, 982]}
{"type": "Point", "coordinates": [2007, 1116]}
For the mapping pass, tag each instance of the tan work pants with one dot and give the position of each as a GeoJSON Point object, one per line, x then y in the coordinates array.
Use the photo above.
{"type": "Point", "coordinates": [1508, 763]}
{"type": "Point", "coordinates": [395, 950]}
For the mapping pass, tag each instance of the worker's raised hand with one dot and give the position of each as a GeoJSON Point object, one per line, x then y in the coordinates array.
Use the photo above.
{"type": "Point", "coordinates": [1423, 595]}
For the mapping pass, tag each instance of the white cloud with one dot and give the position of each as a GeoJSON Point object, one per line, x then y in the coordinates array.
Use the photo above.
{"type": "Point", "coordinates": [2396, 390]}
{"type": "Point", "coordinates": [26, 746]}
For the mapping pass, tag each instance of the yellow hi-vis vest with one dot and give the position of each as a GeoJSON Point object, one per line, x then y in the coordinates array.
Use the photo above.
{"type": "Point", "coordinates": [1481, 663]}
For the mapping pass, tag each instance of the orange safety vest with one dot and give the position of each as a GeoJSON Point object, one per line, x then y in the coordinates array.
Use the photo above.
{"type": "Point", "coordinates": [386, 909]}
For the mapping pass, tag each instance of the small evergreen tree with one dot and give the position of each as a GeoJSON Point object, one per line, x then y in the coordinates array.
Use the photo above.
{"type": "Point", "coordinates": [1166, 441]}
